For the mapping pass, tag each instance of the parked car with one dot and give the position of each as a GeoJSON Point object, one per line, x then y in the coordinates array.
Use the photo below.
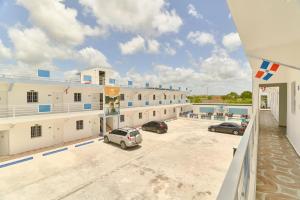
{"type": "Point", "coordinates": [228, 127]}
{"type": "Point", "coordinates": [155, 126]}
{"type": "Point", "coordinates": [126, 137]}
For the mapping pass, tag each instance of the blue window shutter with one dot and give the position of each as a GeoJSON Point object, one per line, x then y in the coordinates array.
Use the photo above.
{"type": "Point", "coordinates": [43, 73]}
{"type": "Point", "coordinates": [87, 106]}
{"type": "Point", "coordinates": [44, 108]}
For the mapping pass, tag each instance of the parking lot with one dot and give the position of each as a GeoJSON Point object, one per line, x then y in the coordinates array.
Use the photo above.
{"type": "Point", "coordinates": [188, 162]}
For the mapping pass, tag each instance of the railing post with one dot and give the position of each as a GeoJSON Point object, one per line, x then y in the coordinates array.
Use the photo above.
{"type": "Point", "coordinates": [14, 111]}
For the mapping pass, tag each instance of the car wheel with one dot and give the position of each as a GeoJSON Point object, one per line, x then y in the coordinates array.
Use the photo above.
{"type": "Point", "coordinates": [106, 140]}
{"type": "Point", "coordinates": [158, 131]}
{"type": "Point", "coordinates": [123, 145]}
{"type": "Point", "coordinates": [144, 129]}
{"type": "Point", "coordinates": [235, 132]}
{"type": "Point", "coordinates": [213, 130]}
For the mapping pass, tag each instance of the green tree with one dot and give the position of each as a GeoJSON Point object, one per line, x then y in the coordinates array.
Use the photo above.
{"type": "Point", "coordinates": [231, 96]}
{"type": "Point", "coordinates": [246, 95]}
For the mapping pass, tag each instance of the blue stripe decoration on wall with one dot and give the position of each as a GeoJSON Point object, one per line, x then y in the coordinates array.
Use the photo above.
{"type": "Point", "coordinates": [112, 81]}
{"type": "Point", "coordinates": [238, 111]}
{"type": "Point", "coordinates": [44, 108]}
{"type": "Point", "coordinates": [129, 103]}
{"type": "Point", "coordinates": [15, 162]}
{"type": "Point", "coordinates": [87, 78]}
{"type": "Point", "coordinates": [43, 73]}
{"type": "Point", "coordinates": [55, 151]}
{"type": "Point", "coordinates": [207, 109]}
{"type": "Point", "coordinates": [130, 83]}
{"type": "Point", "coordinates": [87, 106]}
{"type": "Point", "coordinates": [264, 64]}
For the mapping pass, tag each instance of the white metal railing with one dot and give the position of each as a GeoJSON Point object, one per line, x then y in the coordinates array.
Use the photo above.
{"type": "Point", "coordinates": [11, 76]}
{"type": "Point", "coordinates": [144, 103]}
{"type": "Point", "coordinates": [38, 109]}
{"type": "Point", "coordinates": [240, 180]}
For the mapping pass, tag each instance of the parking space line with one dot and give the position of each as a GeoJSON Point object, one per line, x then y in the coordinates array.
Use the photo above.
{"type": "Point", "coordinates": [55, 151]}
{"type": "Point", "coordinates": [85, 143]}
{"type": "Point", "coordinates": [16, 162]}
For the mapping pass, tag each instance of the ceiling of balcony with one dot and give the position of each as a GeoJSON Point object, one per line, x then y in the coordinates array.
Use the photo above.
{"type": "Point", "coordinates": [269, 29]}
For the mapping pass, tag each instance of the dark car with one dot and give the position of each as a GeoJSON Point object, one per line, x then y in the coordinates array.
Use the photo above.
{"type": "Point", "coordinates": [155, 126]}
{"type": "Point", "coordinates": [228, 127]}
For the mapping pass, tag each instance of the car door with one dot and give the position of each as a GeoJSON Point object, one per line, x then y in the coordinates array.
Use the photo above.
{"type": "Point", "coordinates": [121, 136]}
{"type": "Point", "coordinates": [113, 136]}
{"type": "Point", "coordinates": [222, 128]}
{"type": "Point", "coordinates": [229, 128]}
{"type": "Point", "coordinates": [153, 126]}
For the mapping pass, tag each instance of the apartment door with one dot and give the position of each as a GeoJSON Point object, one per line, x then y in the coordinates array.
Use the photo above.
{"type": "Point", "coordinates": [4, 145]}
{"type": "Point", "coordinates": [101, 101]}
{"type": "Point", "coordinates": [57, 101]}
{"type": "Point", "coordinates": [57, 133]}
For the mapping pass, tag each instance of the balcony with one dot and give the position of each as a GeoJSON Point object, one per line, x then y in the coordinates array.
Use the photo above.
{"type": "Point", "coordinates": [145, 103]}
{"type": "Point", "coordinates": [39, 109]}
{"type": "Point", "coordinates": [265, 165]}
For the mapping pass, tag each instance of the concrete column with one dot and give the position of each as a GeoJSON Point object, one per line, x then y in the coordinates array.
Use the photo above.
{"type": "Point", "coordinates": [104, 125]}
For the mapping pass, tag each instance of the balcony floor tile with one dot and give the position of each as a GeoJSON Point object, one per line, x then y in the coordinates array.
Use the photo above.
{"type": "Point", "coordinates": [278, 168]}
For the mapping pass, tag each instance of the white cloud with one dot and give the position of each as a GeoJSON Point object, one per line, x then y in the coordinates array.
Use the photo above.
{"type": "Point", "coordinates": [220, 66]}
{"type": "Point", "coordinates": [201, 38]}
{"type": "Point", "coordinates": [232, 41]}
{"type": "Point", "coordinates": [169, 50]}
{"type": "Point", "coordinates": [153, 46]}
{"type": "Point", "coordinates": [58, 21]}
{"type": "Point", "coordinates": [193, 12]}
{"type": "Point", "coordinates": [139, 44]}
{"type": "Point", "coordinates": [92, 58]}
{"type": "Point", "coordinates": [179, 42]}
{"type": "Point", "coordinates": [32, 46]}
{"type": "Point", "coordinates": [133, 46]}
{"type": "Point", "coordinates": [5, 52]}
{"type": "Point", "coordinates": [219, 73]}
{"type": "Point", "coordinates": [149, 18]}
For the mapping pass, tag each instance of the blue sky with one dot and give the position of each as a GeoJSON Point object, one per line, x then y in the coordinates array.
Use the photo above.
{"type": "Point", "coordinates": [190, 44]}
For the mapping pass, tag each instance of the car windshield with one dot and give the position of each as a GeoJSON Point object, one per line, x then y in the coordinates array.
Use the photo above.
{"type": "Point", "coordinates": [134, 133]}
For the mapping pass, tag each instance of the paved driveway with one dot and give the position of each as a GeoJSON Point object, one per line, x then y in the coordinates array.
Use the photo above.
{"type": "Point", "coordinates": [186, 163]}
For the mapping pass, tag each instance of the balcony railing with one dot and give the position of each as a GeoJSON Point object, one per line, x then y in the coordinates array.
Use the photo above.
{"type": "Point", "coordinates": [128, 104]}
{"type": "Point", "coordinates": [38, 109]}
{"type": "Point", "coordinates": [240, 180]}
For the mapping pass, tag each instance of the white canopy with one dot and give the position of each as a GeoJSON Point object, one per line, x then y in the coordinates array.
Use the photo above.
{"type": "Point", "coordinates": [269, 29]}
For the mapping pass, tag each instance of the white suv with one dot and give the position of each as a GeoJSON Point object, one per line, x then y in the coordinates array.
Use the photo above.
{"type": "Point", "coordinates": [126, 137]}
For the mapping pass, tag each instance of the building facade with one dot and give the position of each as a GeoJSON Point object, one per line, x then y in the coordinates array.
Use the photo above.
{"type": "Point", "coordinates": [39, 112]}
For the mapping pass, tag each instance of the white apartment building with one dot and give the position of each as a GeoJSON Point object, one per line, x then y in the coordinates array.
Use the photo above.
{"type": "Point", "coordinates": [37, 112]}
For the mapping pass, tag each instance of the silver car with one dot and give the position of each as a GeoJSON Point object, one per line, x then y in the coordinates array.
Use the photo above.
{"type": "Point", "coordinates": [126, 137]}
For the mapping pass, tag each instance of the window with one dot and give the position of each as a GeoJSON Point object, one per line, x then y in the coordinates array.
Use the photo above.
{"type": "Point", "coordinates": [36, 131]}
{"type": "Point", "coordinates": [32, 96]}
{"type": "Point", "coordinates": [122, 97]}
{"type": "Point", "coordinates": [165, 111]}
{"type": "Point", "coordinates": [181, 96]}
{"type": "Point", "coordinates": [165, 96]}
{"type": "Point", "coordinates": [181, 109]}
{"type": "Point", "coordinates": [174, 110]}
{"type": "Point", "coordinates": [122, 118]}
{"type": "Point", "coordinates": [154, 97]}
{"type": "Point", "coordinates": [154, 113]}
{"type": "Point", "coordinates": [139, 97]}
{"type": "Point", "coordinates": [140, 115]}
{"type": "Point", "coordinates": [77, 97]}
{"type": "Point", "coordinates": [174, 96]}
{"type": "Point", "coordinates": [79, 125]}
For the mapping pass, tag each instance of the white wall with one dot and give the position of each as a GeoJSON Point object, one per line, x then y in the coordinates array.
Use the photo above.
{"type": "Point", "coordinates": [54, 132]}
{"type": "Point", "coordinates": [132, 116]}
